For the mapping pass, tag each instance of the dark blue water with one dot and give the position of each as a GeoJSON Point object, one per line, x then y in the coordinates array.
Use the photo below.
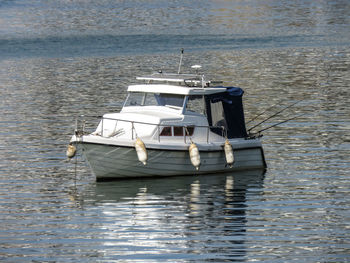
{"type": "Point", "coordinates": [62, 59]}
{"type": "Point", "coordinates": [110, 28]}
{"type": "Point", "coordinates": [116, 45]}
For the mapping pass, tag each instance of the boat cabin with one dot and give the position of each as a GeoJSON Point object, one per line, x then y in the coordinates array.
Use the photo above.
{"type": "Point", "coordinates": [173, 107]}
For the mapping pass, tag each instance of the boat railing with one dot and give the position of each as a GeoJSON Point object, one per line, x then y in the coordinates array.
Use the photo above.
{"type": "Point", "coordinates": [187, 130]}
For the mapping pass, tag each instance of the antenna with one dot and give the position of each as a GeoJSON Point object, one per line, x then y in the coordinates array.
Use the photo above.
{"type": "Point", "coordinates": [197, 68]}
{"type": "Point", "coordinates": [182, 53]}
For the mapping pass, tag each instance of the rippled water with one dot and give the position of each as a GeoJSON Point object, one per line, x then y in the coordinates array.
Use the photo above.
{"type": "Point", "coordinates": [62, 59]}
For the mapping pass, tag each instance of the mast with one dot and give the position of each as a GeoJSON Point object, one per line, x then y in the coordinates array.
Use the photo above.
{"type": "Point", "coordinates": [182, 53]}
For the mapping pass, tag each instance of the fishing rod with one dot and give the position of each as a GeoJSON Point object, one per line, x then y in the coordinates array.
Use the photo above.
{"type": "Point", "coordinates": [281, 123]}
{"type": "Point", "coordinates": [264, 112]}
{"type": "Point", "coordinates": [274, 115]}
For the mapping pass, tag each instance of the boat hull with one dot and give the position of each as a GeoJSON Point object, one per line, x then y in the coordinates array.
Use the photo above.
{"type": "Point", "coordinates": [113, 162]}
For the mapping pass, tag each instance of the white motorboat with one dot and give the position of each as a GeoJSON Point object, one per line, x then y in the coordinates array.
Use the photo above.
{"type": "Point", "coordinates": [172, 124]}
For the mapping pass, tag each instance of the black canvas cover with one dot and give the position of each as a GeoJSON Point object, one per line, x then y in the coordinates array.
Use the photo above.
{"type": "Point", "coordinates": [233, 114]}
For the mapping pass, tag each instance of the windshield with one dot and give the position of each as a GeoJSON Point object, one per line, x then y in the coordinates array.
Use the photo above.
{"type": "Point", "coordinates": [195, 104]}
{"type": "Point", "coordinates": [154, 99]}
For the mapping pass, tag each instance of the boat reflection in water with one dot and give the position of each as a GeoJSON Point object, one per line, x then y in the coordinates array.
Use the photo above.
{"type": "Point", "coordinates": [196, 217]}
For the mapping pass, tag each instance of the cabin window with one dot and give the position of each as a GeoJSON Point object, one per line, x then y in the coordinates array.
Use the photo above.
{"type": "Point", "coordinates": [170, 99]}
{"type": "Point", "coordinates": [195, 104]}
{"type": "Point", "coordinates": [135, 99]}
{"type": "Point", "coordinates": [166, 131]}
{"type": "Point", "coordinates": [141, 99]}
{"type": "Point", "coordinates": [178, 131]}
{"type": "Point", "coordinates": [150, 99]}
{"type": "Point", "coordinates": [189, 130]}
{"type": "Point", "coordinates": [154, 99]}
{"type": "Point", "coordinates": [218, 114]}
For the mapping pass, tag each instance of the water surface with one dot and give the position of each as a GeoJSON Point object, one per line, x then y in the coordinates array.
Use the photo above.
{"type": "Point", "coordinates": [59, 60]}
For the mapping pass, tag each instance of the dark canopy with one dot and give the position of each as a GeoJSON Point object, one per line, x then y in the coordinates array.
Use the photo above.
{"type": "Point", "coordinates": [231, 115]}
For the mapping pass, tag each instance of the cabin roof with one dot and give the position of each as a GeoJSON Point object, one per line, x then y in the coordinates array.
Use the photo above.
{"type": "Point", "coordinates": [167, 77]}
{"type": "Point", "coordinates": [172, 89]}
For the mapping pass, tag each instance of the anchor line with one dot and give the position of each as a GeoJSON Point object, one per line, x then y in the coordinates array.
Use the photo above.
{"type": "Point", "coordinates": [188, 134]}
{"type": "Point", "coordinates": [75, 169]}
{"type": "Point", "coordinates": [79, 134]}
{"type": "Point", "coordinates": [133, 129]}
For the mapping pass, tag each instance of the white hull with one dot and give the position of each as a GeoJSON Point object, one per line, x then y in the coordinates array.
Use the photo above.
{"type": "Point", "coordinates": [113, 161]}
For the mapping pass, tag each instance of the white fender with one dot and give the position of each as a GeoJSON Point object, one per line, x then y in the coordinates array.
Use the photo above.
{"type": "Point", "coordinates": [71, 150]}
{"type": "Point", "coordinates": [141, 151]}
{"type": "Point", "coordinates": [229, 153]}
{"type": "Point", "coordinates": [194, 155]}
